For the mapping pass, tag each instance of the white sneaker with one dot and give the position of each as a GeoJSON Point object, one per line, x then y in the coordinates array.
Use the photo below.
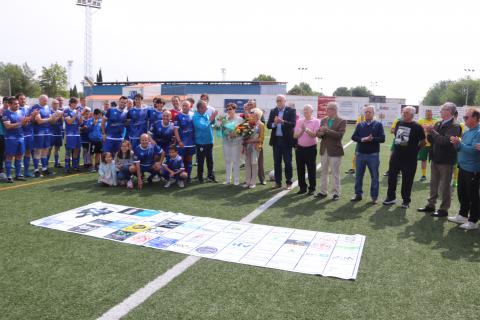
{"type": "Point", "coordinates": [251, 186]}
{"type": "Point", "coordinates": [458, 219]}
{"type": "Point", "coordinates": [245, 185]}
{"type": "Point", "coordinates": [130, 184]}
{"type": "Point", "coordinates": [180, 183]}
{"type": "Point", "coordinates": [236, 183]}
{"type": "Point", "coordinates": [156, 178]}
{"type": "Point", "coordinates": [226, 183]}
{"type": "Point", "coordinates": [469, 225]}
{"type": "Point", "coordinates": [169, 183]}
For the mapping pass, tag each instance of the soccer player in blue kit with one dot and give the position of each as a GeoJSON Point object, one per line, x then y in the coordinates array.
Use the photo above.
{"type": "Point", "coordinates": [163, 132]}
{"type": "Point", "coordinates": [155, 114]}
{"type": "Point", "coordinates": [184, 134]}
{"type": "Point", "coordinates": [148, 158]}
{"type": "Point", "coordinates": [27, 132]}
{"type": "Point", "coordinates": [57, 132]}
{"type": "Point", "coordinates": [137, 120]}
{"type": "Point", "coordinates": [173, 169]}
{"type": "Point", "coordinates": [113, 125]}
{"type": "Point", "coordinates": [73, 120]}
{"type": "Point", "coordinates": [42, 135]}
{"type": "Point", "coordinates": [13, 121]}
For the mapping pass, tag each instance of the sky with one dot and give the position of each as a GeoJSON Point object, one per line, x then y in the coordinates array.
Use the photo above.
{"type": "Point", "coordinates": [398, 49]}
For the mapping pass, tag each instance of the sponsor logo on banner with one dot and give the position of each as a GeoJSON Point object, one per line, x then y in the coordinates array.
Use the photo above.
{"type": "Point", "coordinates": [322, 106]}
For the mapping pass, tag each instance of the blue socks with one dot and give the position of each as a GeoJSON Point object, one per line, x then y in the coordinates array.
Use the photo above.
{"type": "Point", "coordinates": [26, 166]}
{"type": "Point", "coordinates": [8, 168]}
{"type": "Point", "coordinates": [44, 163]}
{"type": "Point", "coordinates": [18, 168]}
{"type": "Point", "coordinates": [35, 163]}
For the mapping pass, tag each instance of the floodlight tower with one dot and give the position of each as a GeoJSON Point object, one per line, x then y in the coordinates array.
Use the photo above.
{"type": "Point", "coordinates": [69, 73]}
{"type": "Point", "coordinates": [88, 4]}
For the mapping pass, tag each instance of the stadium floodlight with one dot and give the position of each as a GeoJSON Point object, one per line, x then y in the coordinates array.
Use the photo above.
{"type": "Point", "coordinates": [88, 4]}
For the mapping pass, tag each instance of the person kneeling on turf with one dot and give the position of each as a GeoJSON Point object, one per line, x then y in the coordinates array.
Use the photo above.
{"type": "Point", "coordinates": [173, 168]}
{"type": "Point", "coordinates": [148, 157]}
{"type": "Point", "coordinates": [107, 172]}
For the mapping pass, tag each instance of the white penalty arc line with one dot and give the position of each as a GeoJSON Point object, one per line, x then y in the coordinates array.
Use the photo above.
{"type": "Point", "coordinates": [142, 294]}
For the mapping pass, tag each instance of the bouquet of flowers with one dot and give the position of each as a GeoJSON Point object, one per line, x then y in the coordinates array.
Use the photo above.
{"type": "Point", "coordinates": [245, 129]}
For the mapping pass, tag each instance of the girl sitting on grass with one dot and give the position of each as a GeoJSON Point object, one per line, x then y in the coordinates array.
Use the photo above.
{"type": "Point", "coordinates": [107, 172]}
{"type": "Point", "coordinates": [123, 161]}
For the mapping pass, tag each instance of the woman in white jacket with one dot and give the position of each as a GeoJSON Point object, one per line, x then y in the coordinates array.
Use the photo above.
{"type": "Point", "coordinates": [232, 144]}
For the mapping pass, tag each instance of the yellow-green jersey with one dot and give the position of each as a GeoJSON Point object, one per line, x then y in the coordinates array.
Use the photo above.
{"type": "Point", "coordinates": [426, 122]}
{"type": "Point", "coordinates": [360, 119]}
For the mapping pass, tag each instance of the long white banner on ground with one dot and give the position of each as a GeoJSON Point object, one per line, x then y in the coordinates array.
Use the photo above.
{"type": "Point", "coordinates": [311, 252]}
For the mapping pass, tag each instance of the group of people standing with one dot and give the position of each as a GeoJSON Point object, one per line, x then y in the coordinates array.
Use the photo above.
{"type": "Point", "coordinates": [129, 139]}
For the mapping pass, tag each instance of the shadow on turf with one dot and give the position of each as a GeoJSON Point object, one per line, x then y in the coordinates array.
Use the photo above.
{"type": "Point", "coordinates": [230, 195]}
{"type": "Point", "coordinates": [388, 216]}
{"type": "Point", "coordinates": [456, 244]}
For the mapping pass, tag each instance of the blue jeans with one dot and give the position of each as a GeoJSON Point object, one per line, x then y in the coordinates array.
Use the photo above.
{"type": "Point", "coordinates": [281, 150]}
{"type": "Point", "coordinates": [372, 161]}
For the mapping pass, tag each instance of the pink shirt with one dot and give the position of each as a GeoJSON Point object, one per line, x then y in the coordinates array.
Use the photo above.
{"type": "Point", "coordinates": [304, 140]}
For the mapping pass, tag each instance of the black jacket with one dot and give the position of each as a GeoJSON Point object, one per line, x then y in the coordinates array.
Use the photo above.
{"type": "Point", "coordinates": [444, 152]}
{"type": "Point", "coordinates": [289, 118]}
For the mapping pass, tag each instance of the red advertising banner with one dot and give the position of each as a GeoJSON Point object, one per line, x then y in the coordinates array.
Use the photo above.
{"type": "Point", "coordinates": [322, 106]}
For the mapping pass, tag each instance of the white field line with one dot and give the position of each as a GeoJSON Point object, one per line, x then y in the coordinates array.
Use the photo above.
{"type": "Point", "coordinates": [138, 297]}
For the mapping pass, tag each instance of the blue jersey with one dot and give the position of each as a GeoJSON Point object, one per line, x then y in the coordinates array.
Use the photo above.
{"type": "Point", "coordinates": [138, 121]}
{"type": "Point", "coordinates": [184, 123]}
{"type": "Point", "coordinates": [28, 129]}
{"type": "Point", "coordinates": [94, 130]}
{"type": "Point", "coordinates": [146, 157]}
{"type": "Point", "coordinates": [175, 163]}
{"type": "Point", "coordinates": [72, 130]}
{"type": "Point", "coordinates": [45, 113]}
{"type": "Point", "coordinates": [57, 126]}
{"type": "Point", "coordinates": [162, 135]}
{"type": "Point", "coordinates": [116, 122]}
{"type": "Point", "coordinates": [13, 117]}
{"type": "Point", "coordinates": [154, 116]}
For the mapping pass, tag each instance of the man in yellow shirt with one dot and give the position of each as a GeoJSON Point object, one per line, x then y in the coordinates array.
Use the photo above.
{"type": "Point", "coordinates": [424, 153]}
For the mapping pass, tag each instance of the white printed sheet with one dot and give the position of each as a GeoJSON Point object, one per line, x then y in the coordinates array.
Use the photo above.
{"type": "Point", "coordinates": [311, 252]}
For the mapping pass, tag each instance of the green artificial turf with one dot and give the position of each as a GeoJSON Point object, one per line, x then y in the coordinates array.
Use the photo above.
{"type": "Point", "coordinates": [413, 266]}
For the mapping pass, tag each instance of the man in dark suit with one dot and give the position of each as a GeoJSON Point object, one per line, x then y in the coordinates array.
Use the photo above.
{"type": "Point", "coordinates": [282, 121]}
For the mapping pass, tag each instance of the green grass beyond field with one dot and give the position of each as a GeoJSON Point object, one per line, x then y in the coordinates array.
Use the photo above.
{"type": "Point", "coordinates": [413, 266]}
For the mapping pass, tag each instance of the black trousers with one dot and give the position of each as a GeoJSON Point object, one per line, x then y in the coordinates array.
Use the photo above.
{"type": "Point", "coordinates": [468, 189]}
{"type": "Point", "coordinates": [407, 167]}
{"type": "Point", "coordinates": [306, 157]}
{"type": "Point", "coordinates": [205, 152]}
{"type": "Point", "coordinates": [282, 151]}
{"type": "Point", "coordinates": [2, 152]}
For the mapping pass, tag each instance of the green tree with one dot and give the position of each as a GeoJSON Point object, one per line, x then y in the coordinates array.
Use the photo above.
{"type": "Point", "coordinates": [461, 92]}
{"type": "Point", "coordinates": [342, 92]}
{"type": "Point", "coordinates": [16, 78]}
{"type": "Point", "coordinates": [360, 91]}
{"type": "Point", "coordinates": [74, 92]}
{"type": "Point", "coordinates": [302, 89]}
{"type": "Point", "coordinates": [264, 77]}
{"type": "Point", "coordinates": [54, 80]}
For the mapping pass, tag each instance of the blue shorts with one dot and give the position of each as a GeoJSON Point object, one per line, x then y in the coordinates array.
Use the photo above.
{"type": "Point", "coordinates": [112, 145]}
{"type": "Point", "coordinates": [72, 142]}
{"type": "Point", "coordinates": [186, 151]}
{"type": "Point", "coordinates": [57, 141]}
{"type": "Point", "coordinates": [144, 169]}
{"type": "Point", "coordinates": [28, 142]}
{"type": "Point", "coordinates": [14, 146]}
{"type": "Point", "coordinates": [42, 141]}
